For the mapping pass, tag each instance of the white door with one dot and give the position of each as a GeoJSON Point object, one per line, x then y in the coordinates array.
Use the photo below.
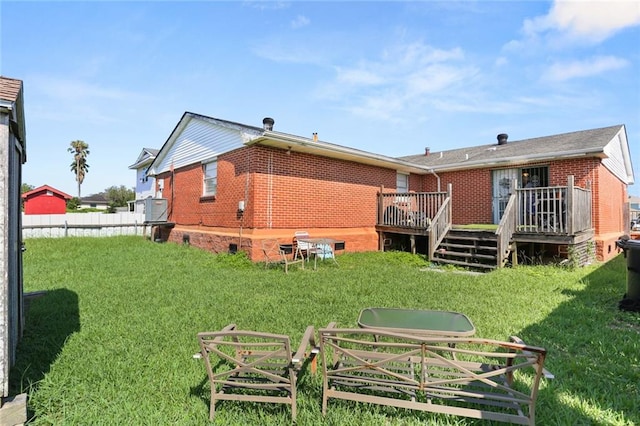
{"type": "Point", "coordinates": [502, 189]}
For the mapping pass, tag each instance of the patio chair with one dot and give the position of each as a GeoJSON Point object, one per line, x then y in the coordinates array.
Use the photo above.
{"type": "Point", "coordinates": [303, 248]}
{"type": "Point", "coordinates": [244, 365]}
{"type": "Point", "coordinates": [277, 253]}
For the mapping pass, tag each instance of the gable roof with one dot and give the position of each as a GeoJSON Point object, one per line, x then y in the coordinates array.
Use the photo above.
{"type": "Point", "coordinates": [145, 157]}
{"type": "Point", "coordinates": [12, 99]}
{"type": "Point", "coordinates": [247, 135]}
{"type": "Point", "coordinates": [608, 143]}
{"type": "Point", "coordinates": [45, 188]}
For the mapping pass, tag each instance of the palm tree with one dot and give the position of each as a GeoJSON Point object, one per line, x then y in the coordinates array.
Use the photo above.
{"type": "Point", "coordinates": [79, 166]}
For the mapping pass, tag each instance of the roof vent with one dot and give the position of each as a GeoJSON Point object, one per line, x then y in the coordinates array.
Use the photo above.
{"type": "Point", "coordinates": [268, 123]}
{"type": "Point", "coordinates": [502, 138]}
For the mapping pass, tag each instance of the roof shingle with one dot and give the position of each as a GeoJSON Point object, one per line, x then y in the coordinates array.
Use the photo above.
{"type": "Point", "coordinates": [585, 141]}
{"type": "Point", "coordinates": [10, 89]}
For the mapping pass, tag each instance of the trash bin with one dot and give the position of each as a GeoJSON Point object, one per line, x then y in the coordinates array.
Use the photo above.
{"type": "Point", "coordinates": [631, 301]}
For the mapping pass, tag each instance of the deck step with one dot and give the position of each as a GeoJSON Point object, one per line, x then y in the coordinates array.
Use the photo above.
{"type": "Point", "coordinates": [476, 249]}
{"type": "Point", "coordinates": [467, 246]}
{"type": "Point", "coordinates": [483, 266]}
{"type": "Point", "coordinates": [467, 255]}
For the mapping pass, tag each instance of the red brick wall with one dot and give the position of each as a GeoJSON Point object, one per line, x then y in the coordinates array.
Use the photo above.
{"type": "Point", "coordinates": [307, 191]}
{"type": "Point", "coordinates": [470, 195]}
{"type": "Point", "coordinates": [285, 192]}
{"type": "Point", "coordinates": [282, 193]}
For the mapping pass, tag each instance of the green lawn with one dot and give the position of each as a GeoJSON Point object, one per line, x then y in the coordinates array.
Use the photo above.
{"type": "Point", "coordinates": [111, 342]}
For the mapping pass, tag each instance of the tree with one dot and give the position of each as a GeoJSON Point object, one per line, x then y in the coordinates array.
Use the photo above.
{"type": "Point", "coordinates": [79, 166]}
{"type": "Point", "coordinates": [73, 204]}
{"type": "Point", "coordinates": [25, 187]}
{"type": "Point", "coordinates": [118, 196]}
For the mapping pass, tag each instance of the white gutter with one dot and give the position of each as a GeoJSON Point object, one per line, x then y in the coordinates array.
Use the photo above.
{"type": "Point", "coordinates": [5, 104]}
{"type": "Point", "coordinates": [292, 142]}
{"type": "Point", "coordinates": [521, 159]}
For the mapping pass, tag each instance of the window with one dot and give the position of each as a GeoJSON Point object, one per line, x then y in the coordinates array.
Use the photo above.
{"type": "Point", "coordinates": [402, 183]}
{"type": "Point", "coordinates": [534, 177]}
{"type": "Point", "coordinates": [210, 178]}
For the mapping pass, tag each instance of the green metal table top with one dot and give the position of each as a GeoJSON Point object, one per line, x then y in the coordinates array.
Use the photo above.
{"type": "Point", "coordinates": [417, 321]}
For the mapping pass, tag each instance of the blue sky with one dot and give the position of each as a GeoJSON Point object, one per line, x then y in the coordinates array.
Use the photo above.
{"type": "Point", "coordinates": [386, 77]}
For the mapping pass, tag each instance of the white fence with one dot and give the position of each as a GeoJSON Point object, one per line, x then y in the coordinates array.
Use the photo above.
{"type": "Point", "coordinates": [83, 225]}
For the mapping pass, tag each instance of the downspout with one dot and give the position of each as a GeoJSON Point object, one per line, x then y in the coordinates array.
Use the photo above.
{"type": "Point", "coordinates": [246, 196]}
{"type": "Point", "coordinates": [437, 177]}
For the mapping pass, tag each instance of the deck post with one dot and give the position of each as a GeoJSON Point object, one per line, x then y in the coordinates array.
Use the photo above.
{"type": "Point", "coordinates": [380, 205]}
{"type": "Point", "coordinates": [379, 220]}
{"type": "Point", "coordinates": [570, 209]}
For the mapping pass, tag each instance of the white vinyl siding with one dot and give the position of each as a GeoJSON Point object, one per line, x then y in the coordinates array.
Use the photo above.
{"type": "Point", "coordinates": [616, 160]}
{"type": "Point", "coordinates": [196, 138]}
{"type": "Point", "coordinates": [210, 184]}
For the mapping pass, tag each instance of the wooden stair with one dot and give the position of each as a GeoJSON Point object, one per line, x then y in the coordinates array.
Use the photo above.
{"type": "Point", "coordinates": [470, 248]}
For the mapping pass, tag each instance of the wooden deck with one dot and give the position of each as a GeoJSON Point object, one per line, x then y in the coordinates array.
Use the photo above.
{"type": "Point", "coordinates": [551, 215]}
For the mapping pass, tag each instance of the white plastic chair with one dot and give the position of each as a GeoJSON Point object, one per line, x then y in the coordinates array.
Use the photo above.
{"type": "Point", "coordinates": [305, 249]}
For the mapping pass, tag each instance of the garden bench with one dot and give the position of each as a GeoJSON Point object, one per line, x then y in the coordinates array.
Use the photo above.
{"type": "Point", "coordinates": [464, 376]}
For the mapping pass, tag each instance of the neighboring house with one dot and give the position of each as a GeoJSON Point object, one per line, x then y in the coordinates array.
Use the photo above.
{"type": "Point", "coordinates": [45, 200]}
{"type": "Point", "coordinates": [230, 185]}
{"type": "Point", "coordinates": [145, 184]}
{"type": "Point", "coordinates": [634, 208]}
{"type": "Point", "coordinates": [94, 201]}
{"type": "Point", "coordinates": [12, 155]}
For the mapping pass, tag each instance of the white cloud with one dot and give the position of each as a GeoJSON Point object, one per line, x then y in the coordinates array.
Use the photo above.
{"type": "Point", "coordinates": [96, 104]}
{"type": "Point", "coordinates": [404, 78]}
{"type": "Point", "coordinates": [359, 77]}
{"type": "Point", "coordinates": [563, 71]}
{"type": "Point", "coordinates": [591, 21]}
{"type": "Point", "coordinates": [501, 61]}
{"type": "Point", "coordinates": [73, 90]}
{"type": "Point", "coordinates": [267, 5]}
{"type": "Point", "coordinates": [300, 21]}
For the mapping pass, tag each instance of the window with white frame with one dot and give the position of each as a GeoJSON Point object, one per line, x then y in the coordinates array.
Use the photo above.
{"type": "Point", "coordinates": [210, 184]}
{"type": "Point", "coordinates": [402, 183]}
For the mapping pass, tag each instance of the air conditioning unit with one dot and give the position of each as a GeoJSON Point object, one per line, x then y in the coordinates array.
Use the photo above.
{"type": "Point", "coordinates": [155, 210]}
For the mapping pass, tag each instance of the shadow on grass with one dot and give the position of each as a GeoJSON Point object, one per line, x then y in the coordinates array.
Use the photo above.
{"type": "Point", "coordinates": [50, 320]}
{"type": "Point", "coordinates": [592, 351]}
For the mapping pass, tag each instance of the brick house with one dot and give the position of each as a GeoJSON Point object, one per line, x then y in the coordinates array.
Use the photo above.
{"type": "Point", "coordinates": [45, 200]}
{"type": "Point", "coordinates": [230, 185]}
{"type": "Point", "coordinates": [207, 167]}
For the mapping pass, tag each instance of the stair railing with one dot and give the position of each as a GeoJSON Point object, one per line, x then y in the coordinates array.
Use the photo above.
{"type": "Point", "coordinates": [506, 229]}
{"type": "Point", "coordinates": [440, 224]}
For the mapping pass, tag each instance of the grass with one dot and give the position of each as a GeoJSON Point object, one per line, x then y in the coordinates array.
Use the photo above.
{"type": "Point", "coordinates": [111, 341]}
